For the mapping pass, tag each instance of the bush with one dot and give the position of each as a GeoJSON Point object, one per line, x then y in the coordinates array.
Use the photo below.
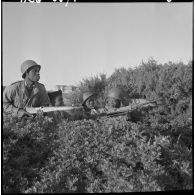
{"type": "Point", "coordinates": [48, 154]}
{"type": "Point", "coordinates": [105, 155]}
{"type": "Point", "coordinates": [27, 144]}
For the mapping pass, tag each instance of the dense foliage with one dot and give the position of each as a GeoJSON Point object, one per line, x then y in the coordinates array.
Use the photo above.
{"type": "Point", "coordinates": [108, 154]}
{"type": "Point", "coordinates": [150, 80]}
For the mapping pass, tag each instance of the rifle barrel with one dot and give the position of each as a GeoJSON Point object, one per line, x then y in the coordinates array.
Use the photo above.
{"type": "Point", "coordinates": [34, 110]}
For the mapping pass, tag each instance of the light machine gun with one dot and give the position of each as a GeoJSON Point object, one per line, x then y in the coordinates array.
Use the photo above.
{"type": "Point", "coordinates": [128, 109]}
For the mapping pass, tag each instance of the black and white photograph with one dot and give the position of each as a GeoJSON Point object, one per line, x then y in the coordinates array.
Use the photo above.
{"type": "Point", "coordinates": [97, 97]}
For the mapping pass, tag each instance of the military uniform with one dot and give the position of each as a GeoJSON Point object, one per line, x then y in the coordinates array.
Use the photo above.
{"type": "Point", "coordinates": [17, 96]}
{"type": "Point", "coordinates": [106, 110]}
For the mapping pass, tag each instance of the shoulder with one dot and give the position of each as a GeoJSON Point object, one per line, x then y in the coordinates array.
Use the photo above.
{"type": "Point", "coordinates": [40, 85]}
{"type": "Point", "coordinates": [13, 86]}
{"type": "Point", "coordinates": [17, 83]}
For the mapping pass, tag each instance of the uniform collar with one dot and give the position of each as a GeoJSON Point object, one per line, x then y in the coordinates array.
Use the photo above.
{"type": "Point", "coordinates": [27, 93]}
{"type": "Point", "coordinates": [25, 84]}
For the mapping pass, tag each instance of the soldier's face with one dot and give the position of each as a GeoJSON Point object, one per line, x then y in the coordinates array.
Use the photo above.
{"type": "Point", "coordinates": [33, 74]}
{"type": "Point", "coordinates": [90, 103]}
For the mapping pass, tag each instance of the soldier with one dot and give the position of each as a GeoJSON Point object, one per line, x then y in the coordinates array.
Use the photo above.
{"type": "Point", "coordinates": [113, 101]}
{"type": "Point", "coordinates": [88, 104]}
{"type": "Point", "coordinates": [25, 93]}
{"type": "Point", "coordinates": [114, 104]}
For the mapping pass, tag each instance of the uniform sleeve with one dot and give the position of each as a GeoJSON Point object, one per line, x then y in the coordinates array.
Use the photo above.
{"type": "Point", "coordinates": [44, 99]}
{"type": "Point", "coordinates": [9, 95]}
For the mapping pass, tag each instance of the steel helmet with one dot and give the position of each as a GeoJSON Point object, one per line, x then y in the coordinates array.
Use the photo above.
{"type": "Point", "coordinates": [53, 94]}
{"type": "Point", "coordinates": [28, 64]}
{"type": "Point", "coordinates": [86, 96]}
{"type": "Point", "coordinates": [115, 93]}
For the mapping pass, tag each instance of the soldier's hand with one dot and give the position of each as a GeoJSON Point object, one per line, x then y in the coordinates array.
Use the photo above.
{"type": "Point", "coordinates": [94, 112]}
{"type": "Point", "coordinates": [23, 113]}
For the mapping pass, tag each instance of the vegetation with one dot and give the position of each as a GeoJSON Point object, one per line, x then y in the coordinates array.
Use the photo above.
{"type": "Point", "coordinates": [43, 155]}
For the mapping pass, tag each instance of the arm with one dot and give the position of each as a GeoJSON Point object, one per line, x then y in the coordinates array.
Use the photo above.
{"type": "Point", "coordinates": [44, 98]}
{"type": "Point", "coordinates": [9, 95]}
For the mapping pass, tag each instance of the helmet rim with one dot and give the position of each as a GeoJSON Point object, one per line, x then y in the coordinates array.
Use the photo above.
{"type": "Point", "coordinates": [86, 96]}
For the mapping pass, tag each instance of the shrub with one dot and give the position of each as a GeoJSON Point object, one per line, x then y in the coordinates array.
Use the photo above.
{"type": "Point", "coordinates": [48, 154]}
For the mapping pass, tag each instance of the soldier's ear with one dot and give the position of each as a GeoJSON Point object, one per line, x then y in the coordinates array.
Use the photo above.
{"type": "Point", "coordinates": [24, 76]}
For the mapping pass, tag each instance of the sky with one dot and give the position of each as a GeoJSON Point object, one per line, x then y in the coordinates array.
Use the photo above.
{"type": "Point", "coordinates": [85, 39]}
